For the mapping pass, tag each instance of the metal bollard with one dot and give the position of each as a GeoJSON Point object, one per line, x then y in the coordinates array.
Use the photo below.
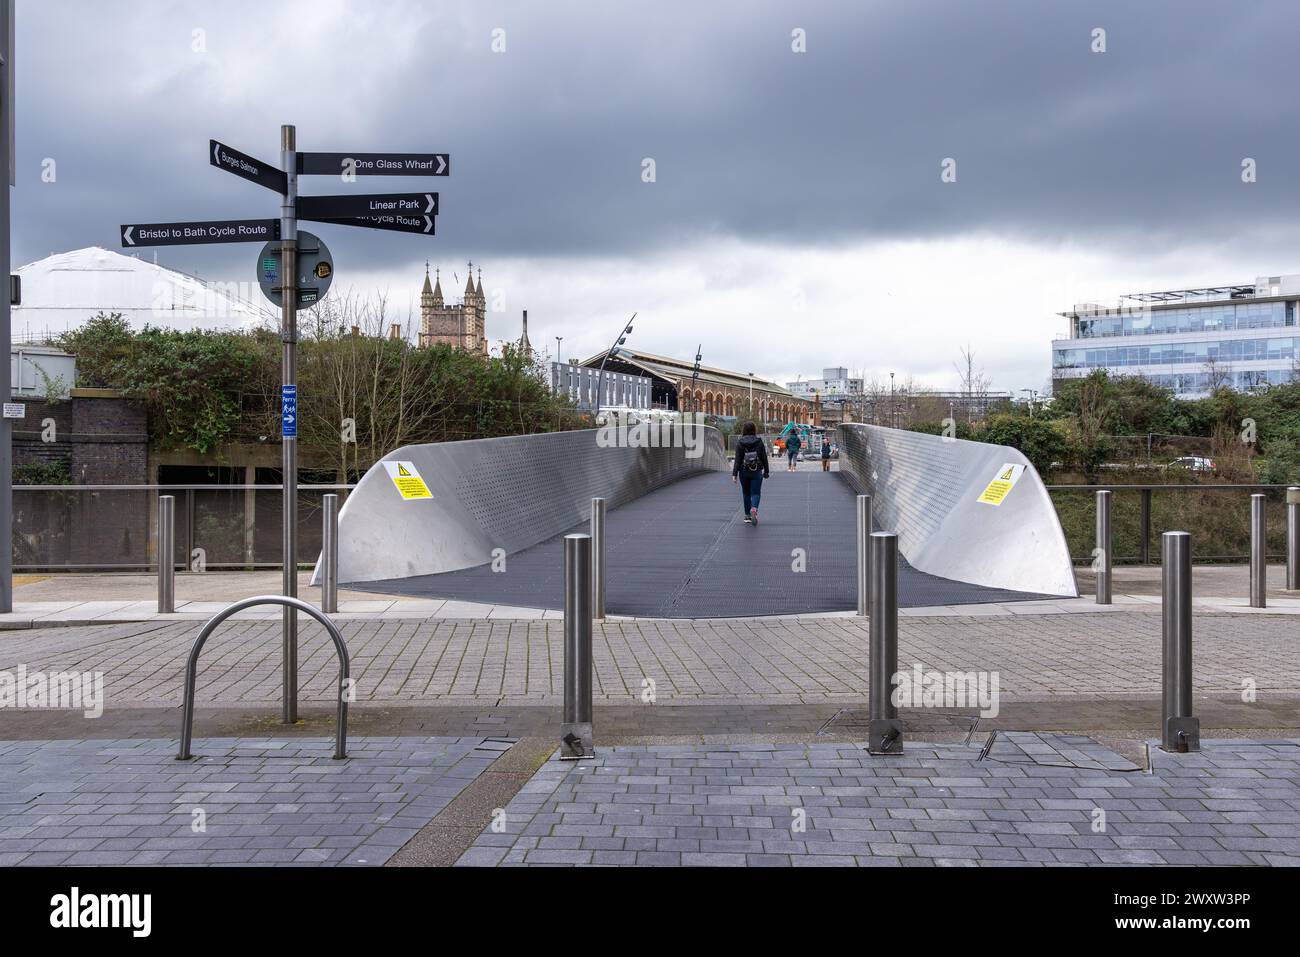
{"type": "Point", "coordinates": [885, 730]}
{"type": "Point", "coordinates": [329, 551]}
{"type": "Point", "coordinates": [1178, 729]}
{"type": "Point", "coordinates": [166, 554]}
{"type": "Point", "coordinates": [863, 532]}
{"type": "Point", "coordinates": [575, 731]}
{"type": "Point", "coordinates": [1103, 553]}
{"type": "Point", "coordinates": [598, 558]}
{"type": "Point", "coordinates": [1293, 538]}
{"type": "Point", "coordinates": [1258, 552]}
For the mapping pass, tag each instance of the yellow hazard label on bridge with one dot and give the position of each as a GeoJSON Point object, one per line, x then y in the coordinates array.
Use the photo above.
{"type": "Point", "coordinates": [407, 479]}
{"type": "Point", "coordinates": [1003, 482]}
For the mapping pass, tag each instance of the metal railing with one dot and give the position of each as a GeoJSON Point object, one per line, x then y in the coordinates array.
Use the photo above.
{"type": "Point", "coordinates": [192, 668]}
{"type": "Point", "coordinates": [1137, 512]}
{"type": "Point", "coordinates": [115, 527]}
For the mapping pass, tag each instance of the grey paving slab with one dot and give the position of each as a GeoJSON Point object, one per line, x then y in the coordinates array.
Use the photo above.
{"type": "Point", "coordinates": [1053, 800]}
{"type": "Point", "coordinates": [493, 664]}
{"type": "Point", "coordinates": [195, 810]}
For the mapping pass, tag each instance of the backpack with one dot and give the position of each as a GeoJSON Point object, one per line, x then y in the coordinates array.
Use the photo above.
{"type": "Point", "coordinates": [751, 459]}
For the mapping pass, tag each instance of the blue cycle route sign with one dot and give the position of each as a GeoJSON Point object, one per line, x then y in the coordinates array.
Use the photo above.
{"type": "Point", "coordinates": [289, 411]}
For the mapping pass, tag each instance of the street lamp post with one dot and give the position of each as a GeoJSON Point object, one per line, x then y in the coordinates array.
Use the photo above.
{"type": "Point", "coordinates": [600, 377]}
{"type": "Point", "coordinates": [559, 356]}
{"type": "Point", "coordinates": [893, 408]}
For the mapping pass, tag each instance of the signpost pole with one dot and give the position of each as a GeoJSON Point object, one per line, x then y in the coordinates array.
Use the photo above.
{"type": "Point", "coordinates": [6, 386]}
{"type": "Point", "coordinates": [289, 377]}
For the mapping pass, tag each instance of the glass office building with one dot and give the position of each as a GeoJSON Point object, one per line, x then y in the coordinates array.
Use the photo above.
{"type": "Point", "coordinates": [1189, 340]}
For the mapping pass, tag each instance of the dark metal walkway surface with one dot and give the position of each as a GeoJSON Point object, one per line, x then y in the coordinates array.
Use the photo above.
{"type": "Point", "coordinates": [685, 552]}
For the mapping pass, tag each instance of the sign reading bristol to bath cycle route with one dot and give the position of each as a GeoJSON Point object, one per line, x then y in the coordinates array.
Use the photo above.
{"type": "Point", "coordinates": [1005, 480]}
{"type": "Point", "coordinates": [407, 479]}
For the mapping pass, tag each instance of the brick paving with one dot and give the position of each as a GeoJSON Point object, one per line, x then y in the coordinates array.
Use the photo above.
{"type": "Point", "coordinates": [1036, 800]}
{"type": "Point", "coordinates": [129, 802]}
{"type": "Point", "coordinates": [769, 661]}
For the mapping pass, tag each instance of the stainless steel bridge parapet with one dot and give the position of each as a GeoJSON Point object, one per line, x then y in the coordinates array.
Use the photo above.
{"type": "Point", "coordinates": [192, 667]}
{"type": "Point", "coordinates": [927, 488]}
{"type": "Point", "coordinates": [506, 493]}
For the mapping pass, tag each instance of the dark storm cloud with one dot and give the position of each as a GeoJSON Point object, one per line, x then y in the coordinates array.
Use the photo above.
{"type": "Point", "coordinates": [1141, 144]}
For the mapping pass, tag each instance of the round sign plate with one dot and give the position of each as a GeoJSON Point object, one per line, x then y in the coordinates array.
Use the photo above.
{"type": "Point", "coordinates": [315, 270]}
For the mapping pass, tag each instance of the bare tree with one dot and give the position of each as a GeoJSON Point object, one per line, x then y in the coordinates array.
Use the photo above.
{"type": "Point", "coordinates": [973, 382]}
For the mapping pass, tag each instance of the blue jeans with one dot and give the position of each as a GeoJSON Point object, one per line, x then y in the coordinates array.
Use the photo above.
{"type": "Point", "coordinates": [793, 454]}
{"type": "Point", "coordinates": [751, 486]}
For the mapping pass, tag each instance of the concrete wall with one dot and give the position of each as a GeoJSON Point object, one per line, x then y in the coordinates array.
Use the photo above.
{"type": "Point", "coordinates": [507, 493]}
{"type": "Point", "coordinates": [928, 489]}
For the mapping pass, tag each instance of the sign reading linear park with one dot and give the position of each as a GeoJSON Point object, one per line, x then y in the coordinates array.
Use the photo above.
{"type": "Point", "coordinates": [1002, 484]}
{"type": "Point", "coordinates": [407, 479]}
{"type": "Point", "coordinates": [368, 204]}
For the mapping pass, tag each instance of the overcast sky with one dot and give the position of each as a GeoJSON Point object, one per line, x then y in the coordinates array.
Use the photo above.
{"type": "Point", "coordinates": [797, 218]}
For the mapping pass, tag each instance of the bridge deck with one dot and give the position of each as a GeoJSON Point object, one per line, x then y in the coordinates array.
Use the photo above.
{"type": "Point", "coordinates": [684, 552]}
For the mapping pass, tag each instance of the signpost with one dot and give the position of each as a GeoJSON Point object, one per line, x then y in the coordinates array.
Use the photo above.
{"type": "Point", "coordinates": [241, 164]}
{"type": "Point", "coordinates": [383, 204]}
{"type": "Point", "coordinates": [288, 260]}
{"type": "Point", "coordinates": [374, 164]}
{"type": "Point", "coordinates": [6, 385]}
{"type": "Point", "coordinates": [289, 411]}
{"type": "Point", "coordinates": [187, 234]}
{"type": "Point", "coordinates": [397, 222]}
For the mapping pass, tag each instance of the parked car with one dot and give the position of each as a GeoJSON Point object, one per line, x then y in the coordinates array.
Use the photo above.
{"type": "Point", "coordinates": [1192, 463]}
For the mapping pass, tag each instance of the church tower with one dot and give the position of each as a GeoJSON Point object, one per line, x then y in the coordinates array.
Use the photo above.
{"type": "Point", "coordinates": [461, 326]}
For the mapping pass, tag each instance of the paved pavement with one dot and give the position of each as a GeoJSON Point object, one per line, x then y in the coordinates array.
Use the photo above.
{"type": "Point", "coordinates": [240, 801]}
{"type": "Point", "coordinates": [1036, 800]}
{"type": "Point", "coordinates": [69, 600]}
{"type": "Point", "coordinates": [753, 662]}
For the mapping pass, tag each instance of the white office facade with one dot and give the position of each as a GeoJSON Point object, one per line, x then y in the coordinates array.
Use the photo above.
{"type": "Point", "coordinates": [836, 381]}
{"type": "Point", "coordinates": [619, 390]}
{"type": "Point", "coordinates": [1189, 340]}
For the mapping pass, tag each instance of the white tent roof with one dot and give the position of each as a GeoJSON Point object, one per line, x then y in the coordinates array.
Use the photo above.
{"type": "Point", "coordinates": [62, 291]}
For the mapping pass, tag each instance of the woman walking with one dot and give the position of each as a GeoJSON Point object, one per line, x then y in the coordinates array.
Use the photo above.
{"type": "Point", "coordinates": [749, 469]}
{"type": "Point", "coordinates": [792, 445]}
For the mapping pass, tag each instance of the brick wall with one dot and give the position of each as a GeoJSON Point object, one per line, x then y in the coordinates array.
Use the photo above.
{"type": "Point", "coordinates": [104, 441]}
{"type": "Point", "coordinates": [110, 444]}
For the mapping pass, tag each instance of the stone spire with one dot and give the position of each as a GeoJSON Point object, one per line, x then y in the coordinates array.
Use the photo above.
{"type": "Point", "coordinates": [469, 282]}
{"type": "Point", "coordinates": [478, 290]}
{"type": "Point", "coordinates": [437, 286]}
{"type": "Point", "coordinates": [428, 290]}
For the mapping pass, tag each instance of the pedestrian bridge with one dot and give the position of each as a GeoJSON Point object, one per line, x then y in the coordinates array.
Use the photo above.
{"type": "Point", "coordinates": [974, 523]}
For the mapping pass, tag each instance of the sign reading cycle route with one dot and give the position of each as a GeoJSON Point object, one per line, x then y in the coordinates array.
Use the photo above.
{"type": "Point", "coordinates": [374, 164]}
{"type": "Point", "coordinates": [383, 204]}
{"type": "Point", "coordinates": [183, 234]}
{"type": "Point", "coordinates": [397, 221]}
{"type": "Point", "coordinates": [407, 479]}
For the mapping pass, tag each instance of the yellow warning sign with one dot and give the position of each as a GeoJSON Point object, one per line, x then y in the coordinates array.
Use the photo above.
{"type": "Point", "coordinates": [1002, 484]}
{"type": "Point", "coordinates": [407, 479]}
